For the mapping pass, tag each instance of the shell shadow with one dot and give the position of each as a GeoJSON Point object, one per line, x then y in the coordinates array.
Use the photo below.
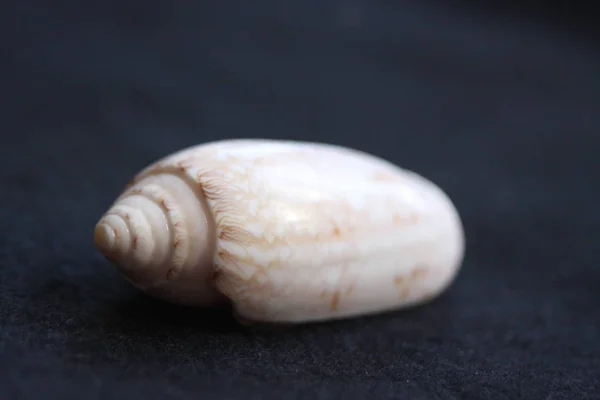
{"type": "Point", "coordinates": [103, 320]}
{"type": "Point", "coordinates": [140, 310]}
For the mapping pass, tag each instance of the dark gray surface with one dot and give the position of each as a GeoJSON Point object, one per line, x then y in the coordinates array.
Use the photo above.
{"type": "Point", "coordinates": [498, 106]}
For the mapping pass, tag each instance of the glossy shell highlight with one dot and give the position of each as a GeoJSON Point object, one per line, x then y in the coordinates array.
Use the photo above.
{"type": "Point", "coordinates": [286, 231]}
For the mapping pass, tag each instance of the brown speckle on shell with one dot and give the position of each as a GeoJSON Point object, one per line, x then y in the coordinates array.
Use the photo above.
{"type": "Point", "coordinates": [419, 271]}
{"type": "Point", "coordinates": [349, 289]}
{"type": "Point", "coordinates": [335, 300]}
{"type": "Point", "coordinates": [405, 292]}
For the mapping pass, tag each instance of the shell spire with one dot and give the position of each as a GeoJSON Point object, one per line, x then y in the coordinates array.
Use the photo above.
{"type": "Point", "coordinates": [135, 233]}
{"type": "Point", "coordinates": [158, 232]}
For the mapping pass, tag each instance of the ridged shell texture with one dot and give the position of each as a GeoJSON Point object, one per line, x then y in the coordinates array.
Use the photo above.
{"type": "Point", "coordinates": [286, 231]}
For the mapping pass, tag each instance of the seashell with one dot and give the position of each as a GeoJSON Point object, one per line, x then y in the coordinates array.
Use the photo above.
{"type": "Point", "coordinates": [284, 231]}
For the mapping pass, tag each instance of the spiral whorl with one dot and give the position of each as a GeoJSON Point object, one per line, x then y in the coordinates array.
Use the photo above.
{"type": "Point", "coordinates": [160, 234]}
{"type": "Point", "coordinates": [135, 235]}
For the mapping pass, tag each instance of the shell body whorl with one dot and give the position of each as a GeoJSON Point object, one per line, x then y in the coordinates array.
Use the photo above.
{"type": "Point", "coordinates": [286, 231]}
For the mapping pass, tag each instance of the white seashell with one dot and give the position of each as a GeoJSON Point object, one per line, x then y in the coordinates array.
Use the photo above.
{"type": "Point", "coordinates": [286, 231]}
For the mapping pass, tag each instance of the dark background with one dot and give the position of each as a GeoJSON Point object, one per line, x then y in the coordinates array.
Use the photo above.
{"type": "Point", "coordinates": [499, 105]}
